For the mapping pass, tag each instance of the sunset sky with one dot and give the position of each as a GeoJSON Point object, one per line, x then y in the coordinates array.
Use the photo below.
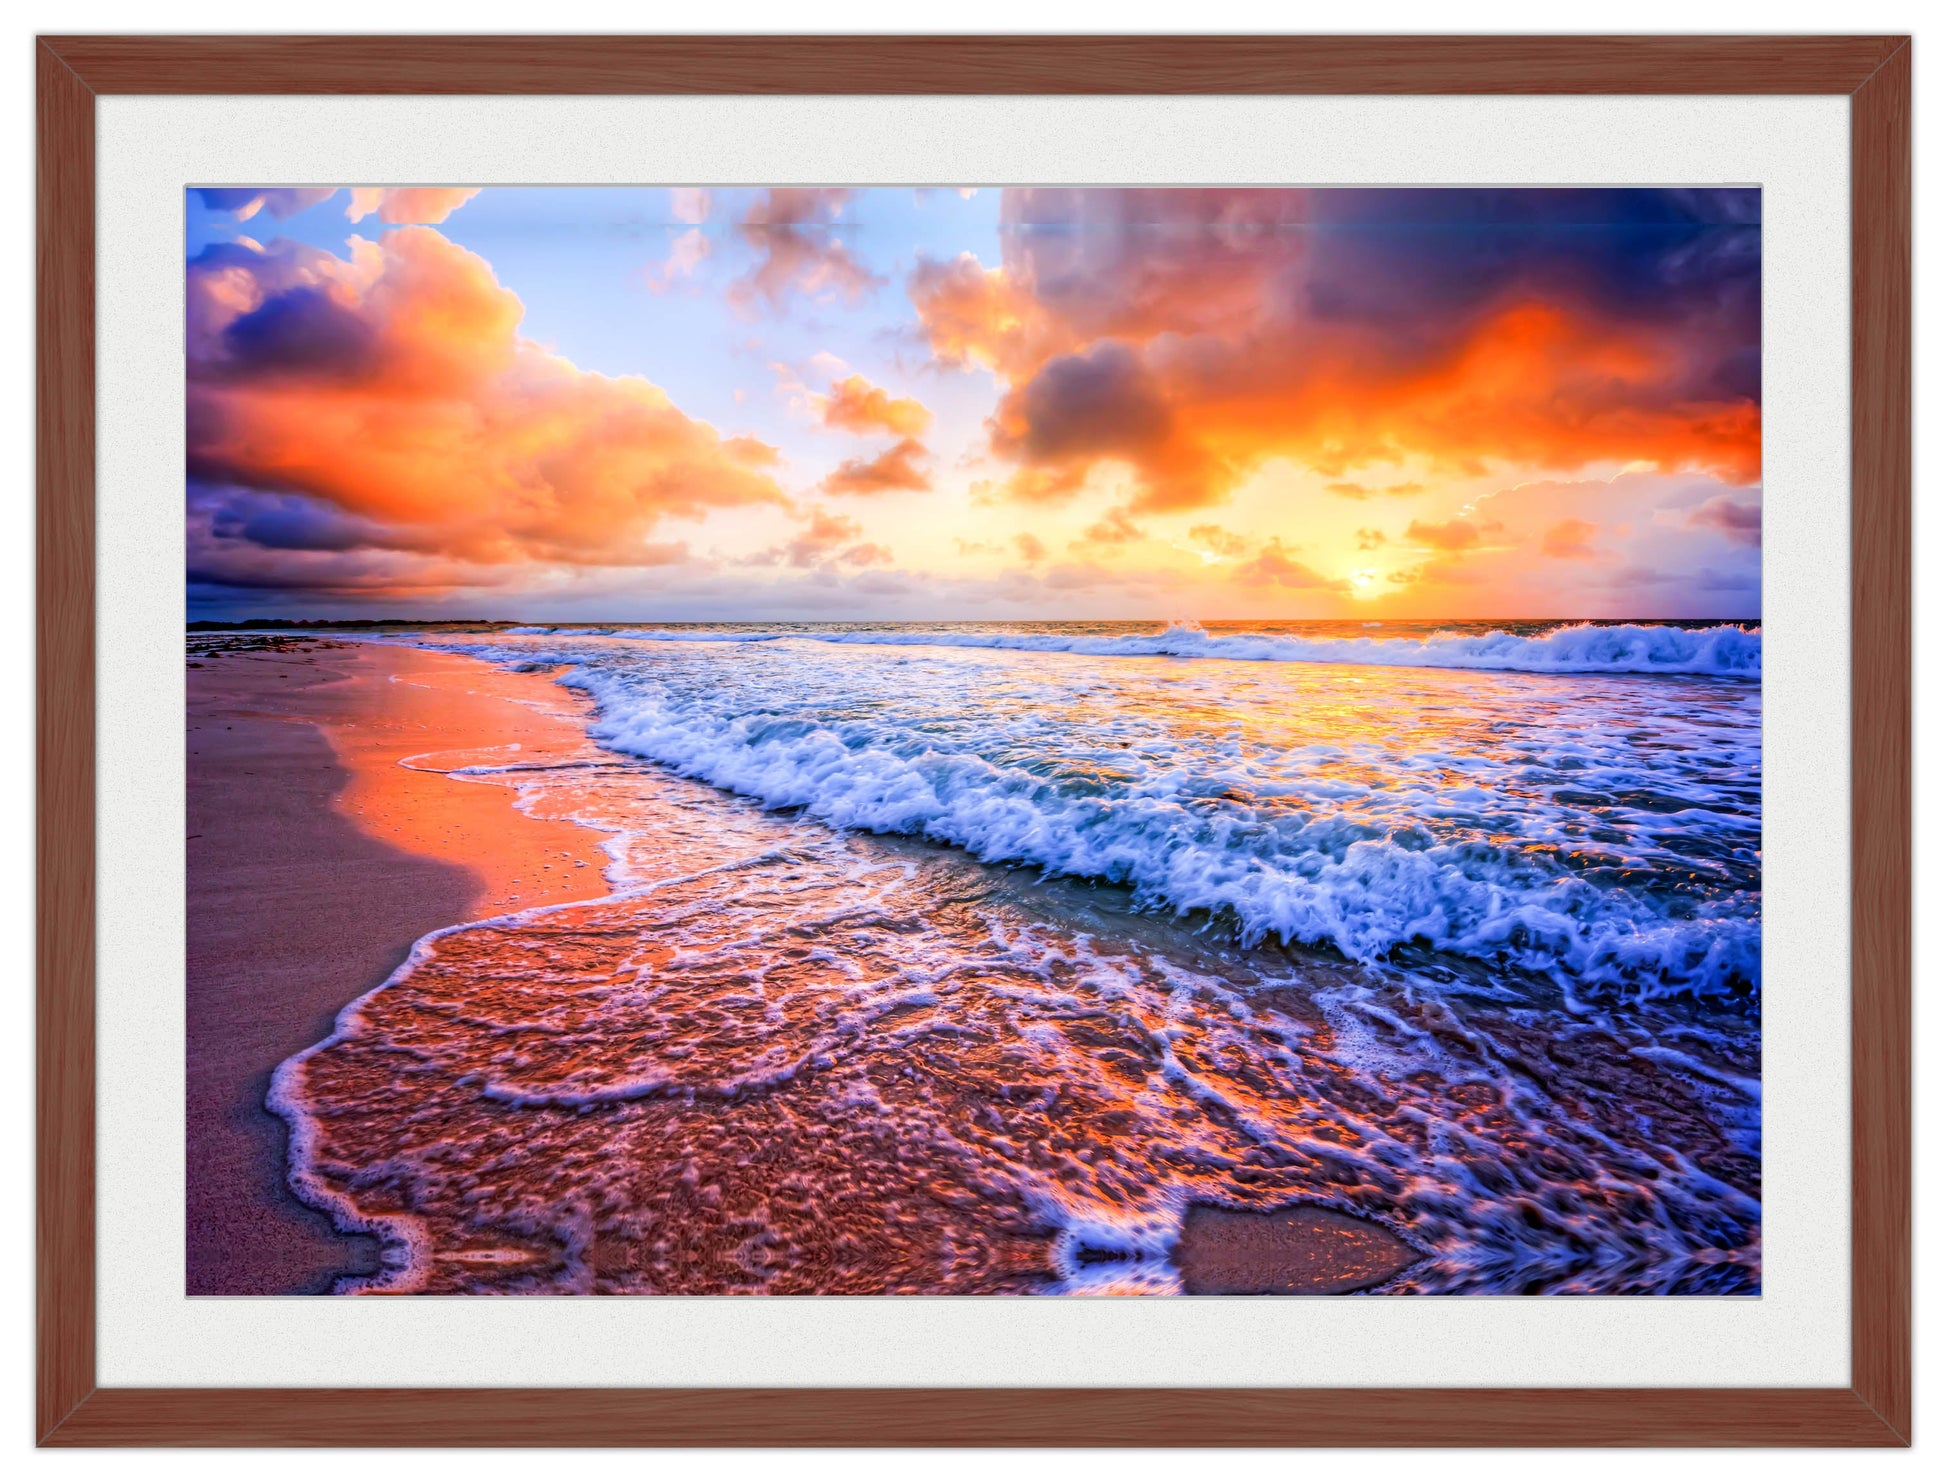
{"type": "Point", "coordinates": [756, 404]}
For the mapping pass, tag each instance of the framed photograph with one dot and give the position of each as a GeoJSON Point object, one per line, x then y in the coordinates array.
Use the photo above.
{"type": "Point", "coordinates": [985, 741]}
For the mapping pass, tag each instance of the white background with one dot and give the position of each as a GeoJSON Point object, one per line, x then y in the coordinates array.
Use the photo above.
{"type": "Point", "coordinates": [401, 15]}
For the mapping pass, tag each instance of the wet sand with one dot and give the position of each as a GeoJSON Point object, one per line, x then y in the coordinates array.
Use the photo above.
{"type": "Point", "coordinates": [1298, 1249]}
{"type": "Point", "coordinates": [315, 861]}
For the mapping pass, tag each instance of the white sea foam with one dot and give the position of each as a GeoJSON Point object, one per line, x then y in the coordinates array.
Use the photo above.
{"type": "Point", "coordinates": [656, 635]}
{"type": "Point", "coordinates": [1598, 831]}
{"type": "Point", "coordinates": [1104, 1251]}
{"type": "Point", "coordinates": [1727, 650]}
{"type": "Point", "coordinates": [1329, 878]}
{"type": "Point", "coordinates": [1582, 648]}
{"type": "Point", "coordinates": [700, 636]}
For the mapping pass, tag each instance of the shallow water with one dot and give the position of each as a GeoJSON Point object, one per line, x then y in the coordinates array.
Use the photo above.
{"type": "Point", "coordinates": [967, 966]}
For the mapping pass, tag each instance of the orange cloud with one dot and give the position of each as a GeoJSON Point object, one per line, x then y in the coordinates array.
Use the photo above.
{"type": "Point", "coordinates": [1194, 336]}
{"type": "Point", "coordinates": [1349, 490]}
{"type": "Point", "coordinates": [1441, 571]}
{"type": "Point", "coordinates": [1034, 486]}
{"type": "Point", "coordinates": [752, 452]}
{"type": "Point", "coordinates": [1613, 547]}
{"type": "Point", "coordinates": [857, 406]}
{"type": "Point", "coordinates": [1220, 542]}
{"type": "Point", "coordinates": [1567, 540]}
{"type": "Point", "coordinates": [824, 530]}
{"type": "Point", "coordinates": [972, 314]}
{"type": "Point", "coordinates": [393, 387]}
{"type": "Point", "coordinates": [1450, 535]}
{"type": "Point", "coordinates": [425, 205]}
{"type": "Point", "coordinates": [826, 540]}
{"type": "Point", "coordinates": [1113, 529]}
{"type": "Point", "coordinates": [1273, 566]}
{"type": "Point", "coordinates": [800, 241]}
{"type": "Point", "coordinates": [1531, 385]}
{"type": "Point", "coordinates": [893, 469]}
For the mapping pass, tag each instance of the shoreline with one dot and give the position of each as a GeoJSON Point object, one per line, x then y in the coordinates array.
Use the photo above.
{"type": "Point", "coordinates": [315, 861]}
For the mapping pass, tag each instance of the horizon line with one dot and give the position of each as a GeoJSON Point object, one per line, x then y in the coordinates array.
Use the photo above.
{"type": "Point", "coordinates": [894, 622]}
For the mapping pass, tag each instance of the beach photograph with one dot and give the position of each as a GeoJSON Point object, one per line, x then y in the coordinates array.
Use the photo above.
{"type": "Point", "coordinates": [973, 740]}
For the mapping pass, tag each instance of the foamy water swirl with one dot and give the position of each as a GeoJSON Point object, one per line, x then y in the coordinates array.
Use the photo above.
{"type": "Point", "coordinates": [1600, 830]}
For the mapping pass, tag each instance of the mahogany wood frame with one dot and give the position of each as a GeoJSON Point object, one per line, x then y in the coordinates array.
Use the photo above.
{"type": "Point", "coordinates": [1875, 72]}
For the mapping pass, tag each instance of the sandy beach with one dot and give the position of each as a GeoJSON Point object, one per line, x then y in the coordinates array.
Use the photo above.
{"type": "Point", "coordinates": [324, 840]}
{"type": "Point", "coordinates": [315, 861]}
{"type": "Point", "coordinates": [326, 836]}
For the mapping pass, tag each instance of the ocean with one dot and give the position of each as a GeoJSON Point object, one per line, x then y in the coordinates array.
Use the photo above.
{"type": "Point", "coordinates": [970, 958]}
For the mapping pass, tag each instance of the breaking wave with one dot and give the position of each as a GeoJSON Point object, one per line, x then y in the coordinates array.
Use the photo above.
{"type": "Point", "coordinates": [1360, 870]}
{"type": "Point", "coordinates": [1581, 648]}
